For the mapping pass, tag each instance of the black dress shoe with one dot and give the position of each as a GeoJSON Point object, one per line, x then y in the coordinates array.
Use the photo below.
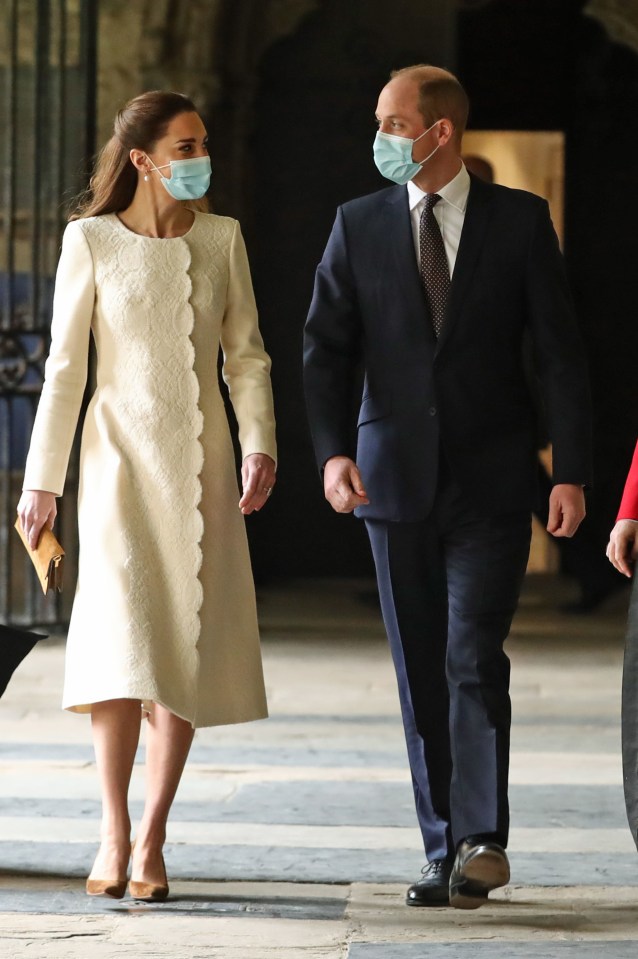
{"type": "Point", "coordinates": [480, 866]}
{"type": "Point", "coordinates": [433, 889]}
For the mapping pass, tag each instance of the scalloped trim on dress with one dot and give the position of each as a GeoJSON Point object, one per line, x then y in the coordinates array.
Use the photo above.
{"type": "Point", "coordinates": [157, 406]}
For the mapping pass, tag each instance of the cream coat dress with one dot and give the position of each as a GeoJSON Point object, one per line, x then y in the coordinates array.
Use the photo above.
{"type": "Point", "coordinates": [165, 606]}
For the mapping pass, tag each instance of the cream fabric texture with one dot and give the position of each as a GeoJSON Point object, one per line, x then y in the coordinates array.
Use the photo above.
{"type": "Point", "coordinates": [165, 608]}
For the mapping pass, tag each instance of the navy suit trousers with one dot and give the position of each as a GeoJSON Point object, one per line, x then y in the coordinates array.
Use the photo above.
{"type": "Point", "coordinates": [449, 586]}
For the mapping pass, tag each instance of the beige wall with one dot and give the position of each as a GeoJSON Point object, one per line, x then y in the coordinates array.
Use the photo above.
{"type": "Point", "coordinates": [533, 161]}
{"type": "Point", "coordinates": [525, 160]}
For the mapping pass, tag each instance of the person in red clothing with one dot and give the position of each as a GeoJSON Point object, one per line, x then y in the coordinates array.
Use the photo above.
{"type": "Point", "coordinates": [622, 548]}
{"type": "Point", "coordinates": [622, 551]}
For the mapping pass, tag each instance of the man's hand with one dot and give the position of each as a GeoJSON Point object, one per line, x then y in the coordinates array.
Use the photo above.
{"type": "Point", "coordinates": [566, 509]}
{"type": "Point", "coordinates": [342, 484]}
{"type": "Point", "coordinates": [622, 548]}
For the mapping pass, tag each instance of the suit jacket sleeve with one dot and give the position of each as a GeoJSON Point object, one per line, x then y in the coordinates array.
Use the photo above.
{"type": "Point", "coordinates": [66, 367]}
{"type": "Point", "coordinates": [629, 503]}
{"type": "Point", "coordinates": [332, 346]}
{"type": "Point", "coordinates": [560, 358]}
{"type": "Point", "coordinates": [246, 368]}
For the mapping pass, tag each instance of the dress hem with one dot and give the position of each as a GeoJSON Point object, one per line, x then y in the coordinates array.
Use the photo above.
{"type": "Point", "coordinates": [145, 702]}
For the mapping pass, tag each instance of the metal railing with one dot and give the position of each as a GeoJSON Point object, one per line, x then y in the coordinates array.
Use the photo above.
{"type": "Point", "coordinates": [47, 119]}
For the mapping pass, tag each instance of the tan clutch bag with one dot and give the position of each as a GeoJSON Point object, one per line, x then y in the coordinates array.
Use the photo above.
{"type": "Point", "coordinates": [47, 557]}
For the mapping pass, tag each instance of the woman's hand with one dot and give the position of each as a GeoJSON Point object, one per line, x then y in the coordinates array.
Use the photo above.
{"type": "Point", "coordinates": [36, 509]}
{"type": "Point", "coordinates": [622, 548]}
{"type": "Point", "coordinates": [258, 476]}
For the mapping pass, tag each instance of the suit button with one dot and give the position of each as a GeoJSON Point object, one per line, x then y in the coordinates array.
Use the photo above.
{"type": "Point", "coordinates": [432, 411]}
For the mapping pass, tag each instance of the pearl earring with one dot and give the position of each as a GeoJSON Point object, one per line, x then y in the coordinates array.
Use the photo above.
{"type": "Point", "coordinates": [146, 178]}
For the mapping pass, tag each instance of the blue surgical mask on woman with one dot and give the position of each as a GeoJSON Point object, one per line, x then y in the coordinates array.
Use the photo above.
{"type": "Point", "coordinates": [393, 155]}
{"type": "Point", "coordinates": [189, 178]}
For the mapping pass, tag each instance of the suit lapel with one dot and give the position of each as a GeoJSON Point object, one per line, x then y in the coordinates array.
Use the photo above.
{"type": "Point", "coordinates": [477, 216]}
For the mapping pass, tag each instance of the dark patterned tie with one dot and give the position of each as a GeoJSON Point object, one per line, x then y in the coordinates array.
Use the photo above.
{"type": "Point", "coordinates": [435, 272]}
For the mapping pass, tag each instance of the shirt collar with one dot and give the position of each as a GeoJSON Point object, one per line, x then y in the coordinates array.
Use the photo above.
{"type": "Point", "coordinates": [455, 192]}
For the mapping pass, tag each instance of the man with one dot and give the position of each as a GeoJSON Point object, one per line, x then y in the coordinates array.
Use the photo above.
{"type": "Point", "coordinates": [432, 285]}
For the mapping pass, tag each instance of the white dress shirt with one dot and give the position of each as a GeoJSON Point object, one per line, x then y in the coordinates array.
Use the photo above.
{"type": "Point", "coordinates": [449, 213]}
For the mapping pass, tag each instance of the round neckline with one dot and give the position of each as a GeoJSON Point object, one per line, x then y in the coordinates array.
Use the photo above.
{"type": "Point", "coordinates": [161, 239]}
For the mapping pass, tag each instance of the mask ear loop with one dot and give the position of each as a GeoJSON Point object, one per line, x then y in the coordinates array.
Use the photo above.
{"type": "Point", "coordinates": [421, 162]}
{"type": "Point", "coordinates": [157, 168]}
{"type": "Point", "coordinates": [416, 139]}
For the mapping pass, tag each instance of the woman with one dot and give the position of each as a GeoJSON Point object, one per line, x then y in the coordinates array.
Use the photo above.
{"type": "Point", "coordinates": [623, 541]}
{"type": "Point", "coordinates": [163, 622]}
{"type": "Point", "coordinates": [622, 551]}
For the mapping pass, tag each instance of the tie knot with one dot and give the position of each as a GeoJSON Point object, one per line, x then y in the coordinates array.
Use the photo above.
{"type": "Point", "coordinates": [431, 200]}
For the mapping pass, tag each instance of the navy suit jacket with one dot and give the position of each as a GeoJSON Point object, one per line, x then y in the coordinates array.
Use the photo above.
{"type": "Point", "coordinates": [465, 393]}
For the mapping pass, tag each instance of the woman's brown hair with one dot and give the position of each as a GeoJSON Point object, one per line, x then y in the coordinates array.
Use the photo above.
{"type": "Point", "coordinates": [138, 126]}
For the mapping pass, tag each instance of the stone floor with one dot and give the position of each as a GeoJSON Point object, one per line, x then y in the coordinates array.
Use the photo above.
{"type": "Point", "coordinates": [296, 837]}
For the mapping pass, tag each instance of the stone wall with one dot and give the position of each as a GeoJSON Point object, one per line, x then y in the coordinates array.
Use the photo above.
{"type": "Point", "coordinates": [191, 46]}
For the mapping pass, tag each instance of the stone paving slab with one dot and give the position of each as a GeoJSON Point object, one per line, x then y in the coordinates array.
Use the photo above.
{"type": "Point", "coordinates": [319, 865]}
{"type": "Point", "coordinates": [142, 936]}
{"type": "Point", "coordinates": [560, 841]}
{"type": "Point", "coordinates": [600, 949]}
{"type": "Point", "coordinates": [512, 915]}
{"type": "Point", "coordinates": [186, 899]}
{"type": "Point", "coordinates": [218, 756]}
{"type": "Point", "coordinates": [571, 767]}
{"type": "Point", "coordinates": [347, 804]}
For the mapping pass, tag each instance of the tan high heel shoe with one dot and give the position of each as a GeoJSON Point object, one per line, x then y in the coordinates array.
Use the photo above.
{"type": "Point", "coordinates": [113, 888]}
{"type": "Point", "coordinates": [149, 891]}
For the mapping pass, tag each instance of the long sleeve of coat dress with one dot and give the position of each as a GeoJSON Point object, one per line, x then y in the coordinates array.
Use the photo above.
{"type": "Point", "coordinates": [246, 368]}
{"type": "Point", "coordinates": [66, 367]}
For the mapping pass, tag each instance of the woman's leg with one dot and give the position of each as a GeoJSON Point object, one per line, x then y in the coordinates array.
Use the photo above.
{"type": "Point", "coordinates": [168, 741]}
{"type": "Point", "coordinates": [116, 733]}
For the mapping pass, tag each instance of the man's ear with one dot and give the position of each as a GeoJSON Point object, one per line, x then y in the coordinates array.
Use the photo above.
{"type": "Point", "coordinates": [446, 131]}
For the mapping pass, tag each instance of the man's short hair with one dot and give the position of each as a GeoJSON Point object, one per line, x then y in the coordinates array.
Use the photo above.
{"type": "Point", "coordinates": [440, 95]}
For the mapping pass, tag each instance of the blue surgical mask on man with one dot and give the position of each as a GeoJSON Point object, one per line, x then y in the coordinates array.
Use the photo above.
{"type": "Point", "coordinates": [189, 179]}
{"type": "Point", "coordinates": [393, 155]}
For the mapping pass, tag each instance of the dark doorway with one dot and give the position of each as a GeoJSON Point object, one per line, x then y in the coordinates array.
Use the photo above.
{"type": "Point", "coordinates": [311, 151]}
{"type": "Point", "coordinates": [538, 64]}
